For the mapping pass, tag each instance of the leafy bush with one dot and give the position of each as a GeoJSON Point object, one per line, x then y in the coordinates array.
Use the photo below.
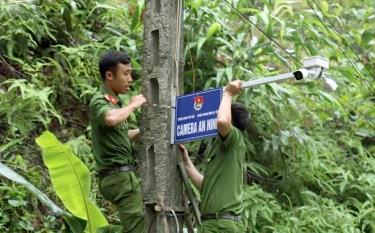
{"type": "Point", "coordinates": [310, 163]}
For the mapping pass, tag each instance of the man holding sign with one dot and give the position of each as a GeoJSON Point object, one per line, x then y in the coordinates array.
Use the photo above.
{"type": "Point", "coordinates": [221, 186]}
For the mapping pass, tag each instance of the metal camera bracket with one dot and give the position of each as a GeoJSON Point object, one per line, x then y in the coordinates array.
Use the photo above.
{"type": "Point", "coordinates": [314, 62]}
{"type": "Point", "coordinates": [313, 68]}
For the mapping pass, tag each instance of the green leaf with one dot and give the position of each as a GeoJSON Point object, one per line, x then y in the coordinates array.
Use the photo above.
{"type": "Point", "coordinates": [331, 99]}
{"type": "Point", "coordinates": [196, 4]}
{"type": "Point", "coordinates": [201, 41]}
{"type": "Point", "coordinates": [212, 30]}
{"type": "Point", "coordinates": [16, 203]}
{"type": "Point", "coordinates": [254, 213]}
{"type": "Point", "coordinates": [229, 73]}
{"type": "Point", "coordinates": [9, 144]}
{"type": "Point", "coordinates": [111, 229]}
{"type": "Point", "coordinates": [74, 224]}
{"type": "Point", "coordinates": [324, 6]}
{"type": "Point", "coordinates": [71, 180]}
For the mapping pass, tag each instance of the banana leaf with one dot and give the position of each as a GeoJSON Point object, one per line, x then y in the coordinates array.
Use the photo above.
{"type": "Point", "coordinates": [74, 224]}
{"type": "Point", "coordinates": [71, 181]}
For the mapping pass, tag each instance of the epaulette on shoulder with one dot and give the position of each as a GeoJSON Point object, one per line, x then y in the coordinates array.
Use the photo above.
{"type": "Point", "coordinates": [111, 99]}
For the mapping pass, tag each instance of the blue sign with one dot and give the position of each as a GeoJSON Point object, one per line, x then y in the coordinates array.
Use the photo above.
{"type": "Point", "coordinates": [196, 114]}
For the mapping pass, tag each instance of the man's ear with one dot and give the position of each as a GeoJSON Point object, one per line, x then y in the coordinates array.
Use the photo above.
{"type": "Point", "coordinates": [108, 75]}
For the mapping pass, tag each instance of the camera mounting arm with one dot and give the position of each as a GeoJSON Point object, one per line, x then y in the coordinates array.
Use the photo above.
{"type": "Point", "coordinates": [313, 68]}
{"type": "Point", "coordinates": [271, 79]}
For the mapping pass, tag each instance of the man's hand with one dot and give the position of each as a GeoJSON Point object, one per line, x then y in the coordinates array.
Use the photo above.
{"type": "Point", "coordinates": [118, 115]}
{"type": "Point", "coordinates": [185, 155]}
{"type": "Point", "coordinates": [137, 101]}
{"type": "Point", "coordinates": [234, 88]}
{"type": "Point", "coordinates": [192, 172]}
{"type": "Point", "coordinates": [133, 134]}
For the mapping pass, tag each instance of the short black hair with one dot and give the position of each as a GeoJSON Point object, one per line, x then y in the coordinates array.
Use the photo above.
{"type": "Point", "coordinates": [110, 60]}
{"type": "Point", "coordinates": [240, 116]}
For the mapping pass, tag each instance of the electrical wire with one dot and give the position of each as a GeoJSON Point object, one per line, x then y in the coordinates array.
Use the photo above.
{"type": "Point", "coordinates": [364, 81]}
{"type": "Point", "coordinates": [192, 66]}
{"type": "Point", "coordinates": [178, 45]}
{"type": "Point", "coordinates": [191, 58]}
{"type": "Point", "coordinates": [157, 215]}
{"type": "Point", "coordinates": [355, 67]}
{"type": "Point", "coordinates": [176, 219]}
{"type": "Point", "coordinates": [343, 38]}
{"type": "Point", "coordinates": [263, 32]}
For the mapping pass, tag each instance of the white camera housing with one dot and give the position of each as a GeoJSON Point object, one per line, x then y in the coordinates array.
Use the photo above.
{"type": "Point", "coordinates": [316, 61]}
{"type": "Point", "coordinates": [301, 74]}
{"type": "Point", "coordinates": [313, 69]}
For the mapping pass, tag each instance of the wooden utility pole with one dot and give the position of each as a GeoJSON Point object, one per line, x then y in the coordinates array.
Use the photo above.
{"type": "Point", "coordinates": [162, 81]}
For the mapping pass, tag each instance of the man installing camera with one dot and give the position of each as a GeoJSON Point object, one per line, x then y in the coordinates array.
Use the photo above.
{"type": "Point", "coordinates": [221, 187]}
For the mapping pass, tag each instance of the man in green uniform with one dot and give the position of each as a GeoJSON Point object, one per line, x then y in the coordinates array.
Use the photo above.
{"type": "Point", "coordinates": [111, 140]}
{"type": "Point", "coordinates": [221, 187]}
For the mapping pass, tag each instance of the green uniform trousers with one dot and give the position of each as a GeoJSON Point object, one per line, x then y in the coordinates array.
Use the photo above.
{"type": "Point", "coordinates": [221, 226]}
{"type": "Point", "coordinates": [123, 189]}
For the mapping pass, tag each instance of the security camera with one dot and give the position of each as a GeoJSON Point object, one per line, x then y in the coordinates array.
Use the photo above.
{"type": "Point", "coordinates": [301, 74]}
{"type": "Point", "coordinates": [313, 69]}
{"type": "Point", "coordinates": [310, 74]}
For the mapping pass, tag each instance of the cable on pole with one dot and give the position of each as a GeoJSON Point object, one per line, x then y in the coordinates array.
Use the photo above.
{"type": "Point", "coordinates": [262, 31]}
{"type": "Point", "coordinates": [364, 81]}
{"type": "Point", "coordinates": [176, 219]}
{"type": "Point", "coordinates": [178, 44]}
{"type": "Point", "coordinates": [343, 38]}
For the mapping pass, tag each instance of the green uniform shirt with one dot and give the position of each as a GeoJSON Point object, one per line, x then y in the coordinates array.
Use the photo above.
{"type": "Point", "coordinates": [223, 178]}
{"type": "Point", "coordinates": [111, 145]}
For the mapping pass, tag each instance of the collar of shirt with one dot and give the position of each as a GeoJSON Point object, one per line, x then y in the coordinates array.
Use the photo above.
{"type": "Point", "coordinates": [110, 96]}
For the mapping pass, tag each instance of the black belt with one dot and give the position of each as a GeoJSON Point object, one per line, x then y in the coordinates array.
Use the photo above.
{"type": "Point", "coordinates": [227, 215]}
{"type": "Point", "coordinates": [110, 171]}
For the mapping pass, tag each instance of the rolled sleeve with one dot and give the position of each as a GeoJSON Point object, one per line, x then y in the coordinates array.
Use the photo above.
{"type": "Point", "coordinates": [98, 108]}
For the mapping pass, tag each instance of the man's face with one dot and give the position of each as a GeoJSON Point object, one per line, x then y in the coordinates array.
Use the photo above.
{"type": "Point", "coordinates": [120, 78]}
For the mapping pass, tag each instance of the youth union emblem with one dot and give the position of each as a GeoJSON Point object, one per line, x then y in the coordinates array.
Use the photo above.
{"type": "Point", "coordinates": [198, 102]}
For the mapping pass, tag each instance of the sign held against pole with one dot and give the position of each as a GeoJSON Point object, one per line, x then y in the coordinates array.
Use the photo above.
{"type": "Point", "coordinates": [195, 115]}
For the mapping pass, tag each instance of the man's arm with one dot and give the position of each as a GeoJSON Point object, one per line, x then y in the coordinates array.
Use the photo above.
{"type": "Point", "coordinates": [224, 115]}
{"type": "Point", "coordinates": [133, 134]}
{"type": "Point", "coordinates": [192, 172]}
{"type": "Point", "coordinates": [116, 116]}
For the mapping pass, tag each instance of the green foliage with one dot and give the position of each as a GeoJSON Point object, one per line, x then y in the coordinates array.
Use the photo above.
{"type": "Point", "coordinates": [310, 153]}
{"type": "Point", "coordinates": [71, 180]}
{"type": "Point", "coordinates": [74, 224]}
{"type": "Point", "coordinates": [14, 197]}
{"type": "Point", "coordinates": [49, 52]}
{"type": "Point", "coordinates": [26, 101]}
{"type": "Point", "coordinates": [14, 176]}
{"type": "Point", "coordinates": [321, 215]}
